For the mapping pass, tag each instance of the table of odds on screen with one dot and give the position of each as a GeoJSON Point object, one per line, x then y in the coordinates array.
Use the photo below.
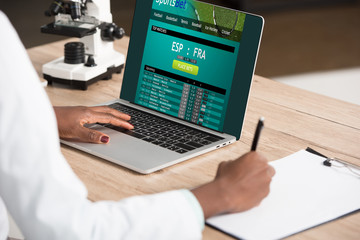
{"type": "Point", "coordinates": [182, 98]}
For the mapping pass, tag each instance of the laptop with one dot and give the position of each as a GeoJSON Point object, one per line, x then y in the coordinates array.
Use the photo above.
{"type": "Point", "coordinates": [186, 84]}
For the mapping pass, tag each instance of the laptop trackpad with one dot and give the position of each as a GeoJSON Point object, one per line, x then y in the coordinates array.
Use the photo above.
{"type": "Point", "coordinates": [129, 151]}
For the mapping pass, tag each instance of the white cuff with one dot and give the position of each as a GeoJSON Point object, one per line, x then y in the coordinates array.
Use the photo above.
{"type": "Point", "coordinates": [196, 206]}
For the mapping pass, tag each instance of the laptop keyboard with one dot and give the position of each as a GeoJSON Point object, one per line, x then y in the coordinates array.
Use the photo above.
{"type": "Point", "coordinates": [160, 131]}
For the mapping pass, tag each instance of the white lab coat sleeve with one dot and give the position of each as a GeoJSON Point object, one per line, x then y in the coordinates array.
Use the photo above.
{"type": "Point", "coordinates": [4, 223]}
{"type": "Point", "coordinates": [39, 188]}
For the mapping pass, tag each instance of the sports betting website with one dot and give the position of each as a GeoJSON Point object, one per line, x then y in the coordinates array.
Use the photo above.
{"type": "Point", "coordinates": [189, 60]}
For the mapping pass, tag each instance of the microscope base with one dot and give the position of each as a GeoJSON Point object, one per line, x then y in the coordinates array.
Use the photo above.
{"type": "Point", "coordinates": [81, 76]}
{"type": "Point", "coordinates": [81, 84]}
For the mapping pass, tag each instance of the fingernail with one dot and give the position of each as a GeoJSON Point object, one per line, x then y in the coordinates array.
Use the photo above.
{"type": "Point", "coordinates": [131, 125]}
{"type": "Point", "coordinates": [104, 139]}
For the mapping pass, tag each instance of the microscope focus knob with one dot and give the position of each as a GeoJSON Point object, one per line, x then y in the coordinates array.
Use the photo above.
{"type": "Point", "coordinates": [119, 33]}
{"type": "Point", "coordinates": [110, 32]}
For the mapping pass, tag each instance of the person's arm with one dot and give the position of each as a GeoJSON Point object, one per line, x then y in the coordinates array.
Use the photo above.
{"type": "Point", "coordinates": [47, 199]}
{"type": "Point", "coordinates": [42, 193]}
{"type": "Point", "coordinates": [4, 222]}
{"type": "Point", "coordinates": [71, 121]}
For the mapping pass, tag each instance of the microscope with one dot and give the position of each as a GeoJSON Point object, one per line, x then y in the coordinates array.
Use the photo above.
{"type": "Point", "coordinates": [91, 59]}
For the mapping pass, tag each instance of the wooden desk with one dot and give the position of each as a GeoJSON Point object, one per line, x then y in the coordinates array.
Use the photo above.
{"type": "Point", "coordinates": [295, 119]}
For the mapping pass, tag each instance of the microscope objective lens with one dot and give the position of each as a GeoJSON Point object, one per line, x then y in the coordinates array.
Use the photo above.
{"type": "Point", "coordinates": [75, 10]}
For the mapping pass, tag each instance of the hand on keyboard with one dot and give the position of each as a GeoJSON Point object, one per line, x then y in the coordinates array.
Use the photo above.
{"type": "Point", "coordinates": [71, 121]}
{"type": "Point", "coordinates": [162, 132]}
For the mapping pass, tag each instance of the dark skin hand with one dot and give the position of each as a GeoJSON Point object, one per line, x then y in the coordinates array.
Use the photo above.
{"type": "Point", "coordinates": [239, 185]}
{"type": "Point", "coordinates": [71, 122]}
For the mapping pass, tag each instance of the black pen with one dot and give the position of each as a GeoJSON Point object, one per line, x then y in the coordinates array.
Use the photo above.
{"type": "Point", "coordinates": [259, 127]}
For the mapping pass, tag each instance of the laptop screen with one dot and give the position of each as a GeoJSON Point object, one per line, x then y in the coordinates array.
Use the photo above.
{"type": "Point", "coordinates": [190, 53]}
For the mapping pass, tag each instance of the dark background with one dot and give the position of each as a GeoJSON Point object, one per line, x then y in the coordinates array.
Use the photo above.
{"type": "Point", "coordinates": [299, 35]}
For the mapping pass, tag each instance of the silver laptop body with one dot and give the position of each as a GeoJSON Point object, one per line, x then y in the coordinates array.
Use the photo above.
{"type": "Point", "coordinates": [145, 157]}
{"type": "Point", "coordinates": [142, 156]}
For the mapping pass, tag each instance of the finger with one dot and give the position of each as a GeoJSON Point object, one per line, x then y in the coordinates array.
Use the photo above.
{"type": "Point", "coordinates": [271, 171]}
{"type": "Point", "coordinates": [221, 167]}
{"type": "Point", "coordinates": [108, 118]}
{"type": "Point", "coordinates": [116, 113]}
{"type": "Point", "coordinates": [258, 156]}
{"type": "Point", "coordinates": [93, 136]}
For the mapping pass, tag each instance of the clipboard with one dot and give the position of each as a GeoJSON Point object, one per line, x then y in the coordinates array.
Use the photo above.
{"type": "Point", "coordinates": [294, 205]}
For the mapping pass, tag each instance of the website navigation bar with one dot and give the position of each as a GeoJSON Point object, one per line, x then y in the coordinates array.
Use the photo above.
{"type": "Point", "coordinates": [194, 24]}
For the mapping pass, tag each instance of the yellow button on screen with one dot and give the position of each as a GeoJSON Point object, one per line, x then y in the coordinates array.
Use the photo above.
{"type": "Point", "coordinates": [185, 67]}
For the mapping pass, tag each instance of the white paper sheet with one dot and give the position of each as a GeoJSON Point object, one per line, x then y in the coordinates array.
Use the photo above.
{"type": "Point", "coordinates": [303, 193]}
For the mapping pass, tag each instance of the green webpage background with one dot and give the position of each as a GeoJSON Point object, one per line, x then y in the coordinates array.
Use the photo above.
{"type": "Point", "coordinates": [215, 68]}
